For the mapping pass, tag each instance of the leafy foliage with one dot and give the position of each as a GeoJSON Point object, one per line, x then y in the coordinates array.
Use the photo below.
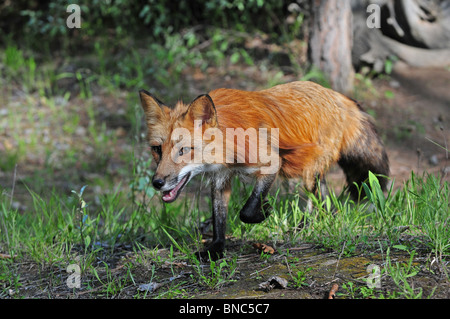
{"type": "Point", "coordinates": [120, 18]}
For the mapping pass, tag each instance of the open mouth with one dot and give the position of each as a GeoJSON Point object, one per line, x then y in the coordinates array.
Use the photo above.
{"type": "Point", "coordinates": [170, 196]}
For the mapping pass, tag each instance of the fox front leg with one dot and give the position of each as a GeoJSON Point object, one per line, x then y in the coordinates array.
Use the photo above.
{"type": "Point", "coordinates": [256, 209]}
{"type": "Point", "coordinates": [220, 193]}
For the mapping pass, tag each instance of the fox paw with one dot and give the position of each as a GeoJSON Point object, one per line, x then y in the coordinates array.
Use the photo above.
{"type": "Point", "coordinates": [251, 214]}
{"type": "Point", "coordinates": [212, 252]}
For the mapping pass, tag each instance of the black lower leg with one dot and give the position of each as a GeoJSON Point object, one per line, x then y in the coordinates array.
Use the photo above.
{"type": "Point", "coordinates": [256, 209]}
{"type": "Point", "coordinates": [220, 195]}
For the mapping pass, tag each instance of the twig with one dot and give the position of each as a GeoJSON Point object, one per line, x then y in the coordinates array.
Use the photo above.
{"type": "Point", "coordinates": [419, 156]}
{"type": "Point", "coordinates": [10, 206]}
{"type": "Point", "coordinates": [305, 246]}
{"type": "Point", "coordinates": [339, 259]}
{"type": "Point", "coordinates": [446, 156]}
{"type": "Point", "coordinates": [13, 186]}
{"type": "Point", "coordinates": [392, 20]}
{"type": "Point", "coordinates": [7, 256]}
{"type": "Point", "coordinates": [259, 271]}
{"type": "Point", "coordinates": [289, 268]}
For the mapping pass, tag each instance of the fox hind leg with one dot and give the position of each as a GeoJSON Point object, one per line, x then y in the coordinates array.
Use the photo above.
{"type": "Point", "coordinates": [319, 188]}
{"type": "Point", "coordinates": [257, 209]}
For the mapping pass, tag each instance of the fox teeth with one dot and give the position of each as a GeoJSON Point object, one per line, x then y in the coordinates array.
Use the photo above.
{"type": "Point", "coordinates": [171, 195]}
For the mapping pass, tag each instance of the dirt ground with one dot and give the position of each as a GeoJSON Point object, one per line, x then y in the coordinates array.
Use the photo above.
{"type": "Point", "coordinates": [422, 99]}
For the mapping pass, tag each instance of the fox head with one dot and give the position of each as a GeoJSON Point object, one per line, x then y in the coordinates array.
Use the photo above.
{"type": "Point", "coordinates": [173, 141]}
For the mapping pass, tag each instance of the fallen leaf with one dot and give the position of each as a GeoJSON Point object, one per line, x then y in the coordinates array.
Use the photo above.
{"type": "Point", "coordinates": [264, 248]}
{"type": "Point", "coordinates": [273, 282]}
{"type": "Point", "coordinates": [333, 291]}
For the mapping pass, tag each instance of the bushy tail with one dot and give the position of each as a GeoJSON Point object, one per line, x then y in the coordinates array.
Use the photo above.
{"type": "Point", "coordinates": [366, 154]}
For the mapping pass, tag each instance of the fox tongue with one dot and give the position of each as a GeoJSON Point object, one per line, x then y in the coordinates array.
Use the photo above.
{"type": "Point", "coordinates": [172, 194]}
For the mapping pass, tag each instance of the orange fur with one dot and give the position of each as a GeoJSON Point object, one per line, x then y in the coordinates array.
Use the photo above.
{"type": "Point", "coordinates": [315, 123]}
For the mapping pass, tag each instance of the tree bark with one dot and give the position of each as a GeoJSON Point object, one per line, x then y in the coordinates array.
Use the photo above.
{"type": "Point", "coordinates": [330, 42]}
{"type": "Point", "coordinates": [417, 32]}
{"type": "Point", "coordinates": [429, 22]}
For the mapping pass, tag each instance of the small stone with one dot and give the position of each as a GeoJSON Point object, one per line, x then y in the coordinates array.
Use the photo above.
{"type": "Point", "coordinates": [434, 160]}
{"type": "Point", "coordinates": [394, 84]}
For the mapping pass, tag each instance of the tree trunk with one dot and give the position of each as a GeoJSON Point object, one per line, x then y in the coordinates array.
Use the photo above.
{"type": "Point", "coordinates": [429, 22]}
{"type": "Point", "coordinates": [417, 32]}
{"type": "Point", "coordinates": [330, 42]}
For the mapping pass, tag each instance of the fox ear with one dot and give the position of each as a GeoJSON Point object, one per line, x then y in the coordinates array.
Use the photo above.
{"type": "Point", "coordinates": [152, 107]}
{"type": "Point", "coordinates": [202, 108]}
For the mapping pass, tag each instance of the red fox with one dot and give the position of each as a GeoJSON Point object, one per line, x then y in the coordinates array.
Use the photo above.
{"type": "Point", "coordinates": [225, 133]}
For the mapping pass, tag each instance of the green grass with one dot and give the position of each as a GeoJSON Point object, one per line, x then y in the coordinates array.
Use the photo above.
{"type": "Point", "coordinates": [398, 273]}
{"type": "Point", "coordinates": [58, 231]}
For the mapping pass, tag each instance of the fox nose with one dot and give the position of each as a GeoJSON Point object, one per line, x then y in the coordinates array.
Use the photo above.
{"type": "Point", "coordinates": [158, 183]}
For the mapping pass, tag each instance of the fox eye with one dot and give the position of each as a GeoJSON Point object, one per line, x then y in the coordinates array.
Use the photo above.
{"type": "Point", "coordinates": [157, 149]}
{"type": "Point", "coordinates": [183, 150]}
